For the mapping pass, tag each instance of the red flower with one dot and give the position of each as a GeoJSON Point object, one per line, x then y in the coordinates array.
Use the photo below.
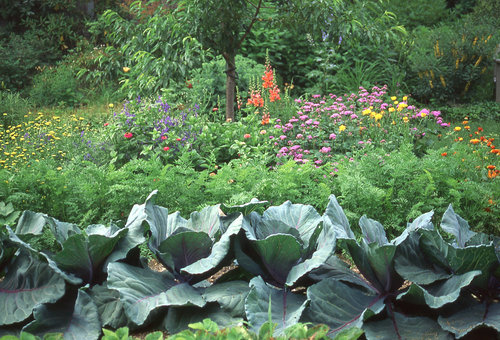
{"type": "Point", "coordinates": [444, 154]}
{"type": "Point", "coordinates": [214, 109]}
{"type": "Point", "coordinates": [128, 135]}
{"type": "Point", "coordinates": [106, 124]}
{"type": "Point", "coordinates": [166, 148]}
{"type": "Point", "coordinates": [163, 137]}
{"type": "Point", "coordinates": [246, 136]}
{"type": "Point", "coordinates": [178, 139]}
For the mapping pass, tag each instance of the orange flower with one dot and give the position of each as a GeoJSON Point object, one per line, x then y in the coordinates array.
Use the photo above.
{"type": "Point", "coordinates": [495, 151]}
{"type": "Point", "coordinates": [479, 129]}
{"type": "Point", "coordinates": [274, 94]}
{"type": "Point", "coordinates": [493, 173]}
{"type": "Point", "coordinates": [246, 135]}
{"type": "Point", "coordinates": [268, 78]}
{"type": "Point", "coordinates": [474, 141]}
{"type": "Point", "coordinates": [491, 167]}
{"type": "Point", "coordinates": [265, 119]}
{"type": "Point", "coordinates": [444, 154]}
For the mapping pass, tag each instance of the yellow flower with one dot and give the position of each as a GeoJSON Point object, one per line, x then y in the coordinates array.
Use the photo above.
{"type": "Point", "coordinates": [457, 128]}
{"type": "Point", "coordinates": [423, 114]}
{"type": "Point", "coordinates": [405, 98]}
{"type": "Point", "coordinates": [111, 105]}
{"type": "Point", "coordinates": [126, 69]}
{"type": "Point", "coordinates": [342, 128]}
{"type": "Point", "coordinates": [405, 119]}
{"type": "Point", "coordinates": [394, 98]}
{"type": "Point", "coordinates": [59, 168]}
{"type": "Point", "coordinates": [391, 109]}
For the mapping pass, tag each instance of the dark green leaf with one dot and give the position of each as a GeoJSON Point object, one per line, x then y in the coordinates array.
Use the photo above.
{"type": "Point", "coordinates": [27, 284]}
{"type": "Point", "coordinates": [285, 307]}
{"type": "Point", "coordinates": [78, 320]}
{"type": "Point", "coordinates": [402, 327]}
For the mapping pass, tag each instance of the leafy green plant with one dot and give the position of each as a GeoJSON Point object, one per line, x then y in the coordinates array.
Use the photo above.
{"type": "Point", "coordinates": [13, 108]}
{"type": "Point", "coordinates": [56, 86]}
{"type": "Point", "coordinates": [7, 214]}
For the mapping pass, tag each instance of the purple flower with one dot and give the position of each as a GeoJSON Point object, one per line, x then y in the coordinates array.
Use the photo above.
{"type": "Point", "coordinates": [332, 136]}
{"type": "Point", "coordinates": [325, 149]}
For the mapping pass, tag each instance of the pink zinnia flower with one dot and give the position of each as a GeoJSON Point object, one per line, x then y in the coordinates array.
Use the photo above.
{"type": "Point", "coordinates": [128, 135]}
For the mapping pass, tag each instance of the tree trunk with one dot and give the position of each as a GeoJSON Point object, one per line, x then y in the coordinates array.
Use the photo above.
{"type": "Point", "coordinates": [230, 85]}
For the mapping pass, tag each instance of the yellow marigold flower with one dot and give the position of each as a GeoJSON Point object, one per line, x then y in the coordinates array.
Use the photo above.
{"type": "Point", "coordinates": [475, 141]}
{"type": "Point", "coordinates": [391, 109]}
{"type": "Point", "coordinates": [378, 116]}
{"type": "Point", "coordinates": [405, 98]}
{"type": "Point", "coordinates": [342, 128]}
{"type": "Point", "coordinates": [366, 112]}
{"type": "Point", "coordinates": [394, 98]}
{"type": "Point", "coordinates": [405, 119]}
{"type": "Point", "coordinates": [126, 69]}
{"type": "Point", "coordinates": [457, 128]}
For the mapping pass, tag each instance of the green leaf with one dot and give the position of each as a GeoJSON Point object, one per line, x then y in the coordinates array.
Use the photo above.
{"type": "Point", "coordinates": [341, 306]}
{"type": "Point", "coordinates": [410, 328]}
{"type": "Point", "coordinates": [220, 251]}
{"type": "Point", "coordinates": [74, 319]}
{"type": "Point", "coordinates": [109, 306]}
{"type": "Point", "coordinates": [441, 292]}
{"type": "Point", "coordinates": [324, 248]}
{"type": "Point", "coordinates": [246, 208]}
{"type": "Point", "coordinates": [303, 218]}
{"type": "Point", "coordinates": [27, 284]}
{"type": "Point", "coordinates": [335, 218]}
{"type": "Point", "coordinates": [469, 315]}
{"type": "Point", "coordinates": [457, 226]}
{"type": "Point", "coordinates": [278, 253]}
{"type": "Point", "coordinates": [208, 221]}
{"type": "Point", "coordinates": [421, 222]}
{"type": "Point", "coordinates": [229, 295]}
{"type": "Point", "coordinates": [179, 318]}
{"type": "Point", "coordinates": [349, 334]}
{"type": "Point", "coordinates": [265, 302]}
{"type": "Point", "coordinates": [373, 231]}
{"type": "Point", "coordinates": [413, 264]}
{"type": "Point", "coordinates": [143, 291]}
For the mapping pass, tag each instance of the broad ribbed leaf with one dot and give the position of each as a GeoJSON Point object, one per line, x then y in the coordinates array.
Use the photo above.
{"type": "Point", "coordinates": [460, 260]}
{"type": "Point", "coordinates": [439, 293]}
{"type": "Point", "coordinates": [324, 248]}
{"type": "Point", "coordinates": [220, 251]}
{"type": "Point", "coordinates": [413, 265]}
{"type": "Point", "coordinates": [229, 295]}
{"type": "Point", "coordinates": [32, 223]}
{"type": "Point", "coordinates": [76, 320]}
{"type": "Point", "coordinates": [83, 256]}
{"type": "Point", "coordinates": [143, 291]}
{"type": "Point", "coordinates": [109, 306]}
{"type": "Point", "coordinates": [372, 231]}
{"type": "Point", "coordinates": [182, 249]}
{"type": "Point", "coordinates": [335, 218]}
{"type": "Point", "coordinates": [424, 221]}
{"type": "Point", "coordinates": [303, 218]}
{"type": "Point", "coordinates": [208, 221]}
{"type": "Point", "coordinates": [402, 327]}
{"type": "Point", "coordinates": [70, 278]}
{"type": "Point", "coordinates": [341, 306]}
{"type": "Point", "coordinates": [278, 253]}
{"type": "Point", "coordinates": [246, 208]}
{"type": "Point", "coordinates": [284, 306]}
{"type": "Point", "coordinates": [27, 284]}
{"type": "Point", "coordinates": [470, 314]}
{"type": "Point", "coordinates": [179, 318]}
{"type": "Point", "coordinates": [457, 226]}
{"type": "Point", "coordinates": [337, 269]}
{"type": "Point", "coordinates": [376, 264]}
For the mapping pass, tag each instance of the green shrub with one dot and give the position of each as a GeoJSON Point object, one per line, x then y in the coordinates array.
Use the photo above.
{"type": "Point", "coordinates": [209, 81]}
{"type": "Point", "coordinates": [453, 62]}
{"type": "Point", "coordinates": [13, 108]}
{"type": "Point", "coordinates": [56, 86]}
{"type": "Point", "coordinates": [419, 12]}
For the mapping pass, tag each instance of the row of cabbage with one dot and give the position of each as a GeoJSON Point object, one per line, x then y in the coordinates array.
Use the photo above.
{"type": "Point", "coordinates": [281, 266]}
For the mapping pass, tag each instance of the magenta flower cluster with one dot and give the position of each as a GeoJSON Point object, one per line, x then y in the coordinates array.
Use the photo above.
{"type": "Point", "coordinates": [329, 126]}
